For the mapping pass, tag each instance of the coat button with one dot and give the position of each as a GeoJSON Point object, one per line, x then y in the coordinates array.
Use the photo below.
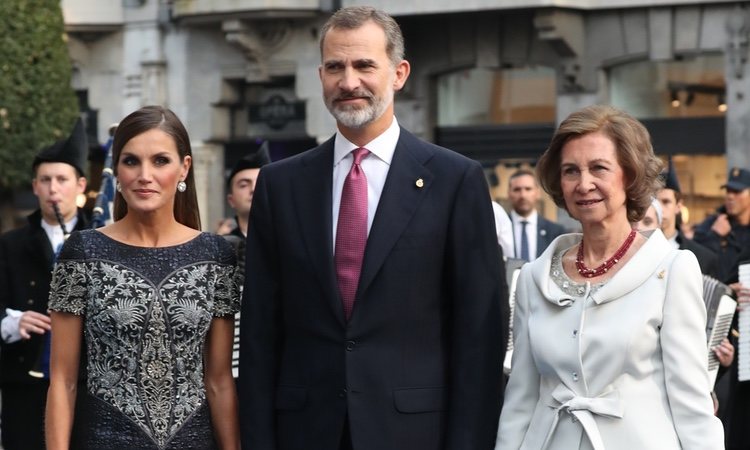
{"type": "Point", "coordinates": [350, 345]}
{"type": "Point", "coordinates": [30, 301]}
{"type": "Point", "coordinates": [342, 393]}
{"type": "Point", "coordinates": [575, 334]}
{"type": "Point", "coordinates": [32, 283]}
{"type": "Point", "coordinates": [575, 376]}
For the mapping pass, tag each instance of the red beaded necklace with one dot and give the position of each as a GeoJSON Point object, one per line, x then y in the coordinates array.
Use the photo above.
{"type": "Point", "coordinates": [606, 265]}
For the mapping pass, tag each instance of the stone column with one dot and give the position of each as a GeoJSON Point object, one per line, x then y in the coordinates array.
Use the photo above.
{"type": "Point", "coordinates": [738, 88]}
{"type": "Point", "coordinates": [208, 170]}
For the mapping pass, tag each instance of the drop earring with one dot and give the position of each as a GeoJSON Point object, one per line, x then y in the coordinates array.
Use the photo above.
{"type": "Point", "coordinates": [181, 186]}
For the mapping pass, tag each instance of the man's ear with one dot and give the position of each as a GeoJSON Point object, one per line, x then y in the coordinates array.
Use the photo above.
{"type": "Point", "coordinates": [403, 69]}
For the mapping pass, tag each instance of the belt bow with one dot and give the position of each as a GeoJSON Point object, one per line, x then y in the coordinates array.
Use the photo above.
{"type": "Point", "coordinates": [606, 404]}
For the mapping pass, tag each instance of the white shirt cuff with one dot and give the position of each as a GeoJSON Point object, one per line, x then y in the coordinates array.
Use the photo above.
{"type": "Point", "coordinates": [9, 328]}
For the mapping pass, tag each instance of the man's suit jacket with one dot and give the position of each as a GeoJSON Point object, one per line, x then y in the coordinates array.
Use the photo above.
{"type": "Point", "coordinates": [26, 259]}
{"type": "Point", "coordinates": [418, 365]}
{"type": "Point", "coordinates": [546, 232]}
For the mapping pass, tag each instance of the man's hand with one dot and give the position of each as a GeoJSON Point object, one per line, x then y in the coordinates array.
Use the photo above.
{"type": "Point", "coordinates": [724, 352]}
{"type": "Point", "coordinates": [721, 225]}
{"type": "Point", "coordinates": [33, 322]}
{"type": "Point", "coordinates": [743, 295]}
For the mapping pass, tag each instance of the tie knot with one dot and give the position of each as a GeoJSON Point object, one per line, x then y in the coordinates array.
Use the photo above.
{"type": "Point", "coordinates": [524, 222]}
{"type": "Point", "coordinates": [359, 154]}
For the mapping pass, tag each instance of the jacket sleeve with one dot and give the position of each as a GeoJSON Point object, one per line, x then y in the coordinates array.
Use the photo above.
{"type": "Point", "coordinates": [478, 318]}
{"type": "Point", "coordinates": [684, 353]}
{"type": "Point", "coordinates": [258, 329]}
{"type": "Point", "coordinates": [522, 391]}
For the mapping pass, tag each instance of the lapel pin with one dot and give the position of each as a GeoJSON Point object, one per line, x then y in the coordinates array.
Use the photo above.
{"type": "Point", "coordinates": [543, 232]}
{"type": "Point", "coordinates": [661, 274]}
{"type": "Point", "coordinates": [420, 183]}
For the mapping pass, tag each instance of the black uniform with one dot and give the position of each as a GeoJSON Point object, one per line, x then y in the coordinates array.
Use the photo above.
{"type": "Point", "coordinates": [731, 249]}
{"type": "Point", "coordinates": [26, 258]}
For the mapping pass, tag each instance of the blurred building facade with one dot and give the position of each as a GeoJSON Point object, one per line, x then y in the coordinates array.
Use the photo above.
{"type": "Point", "coordinates": [490, 79]}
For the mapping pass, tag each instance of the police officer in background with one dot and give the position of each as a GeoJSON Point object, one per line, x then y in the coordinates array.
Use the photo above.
{"type": "Point", "coordinates": [26, 258]}
{"type": "Point", "coordinates": [727, 233]}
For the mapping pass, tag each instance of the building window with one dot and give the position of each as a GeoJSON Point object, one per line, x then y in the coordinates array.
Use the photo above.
{"type": "Point", "coordinates": [496, 96]}
{"type": "Point", "coordinates": [691, 87]}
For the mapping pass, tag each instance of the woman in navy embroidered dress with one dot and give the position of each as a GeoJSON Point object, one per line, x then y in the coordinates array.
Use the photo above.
{"type": "Point", "coordinates": [152, 299]}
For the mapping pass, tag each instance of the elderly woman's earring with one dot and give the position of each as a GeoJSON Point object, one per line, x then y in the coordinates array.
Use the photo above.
{"type": "Point", "coordinates": [181, 186]}
{"type": "Point", "coordinates": [118, 186]}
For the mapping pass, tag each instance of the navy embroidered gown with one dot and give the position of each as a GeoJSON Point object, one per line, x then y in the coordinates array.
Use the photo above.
{"type": "Point", "coordinates": [146, 314]}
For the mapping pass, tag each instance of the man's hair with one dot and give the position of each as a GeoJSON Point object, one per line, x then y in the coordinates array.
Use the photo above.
{"type": "Point", "coordinates": [353, 17]}
{"type": "Point", "coordinates": [521, 173]}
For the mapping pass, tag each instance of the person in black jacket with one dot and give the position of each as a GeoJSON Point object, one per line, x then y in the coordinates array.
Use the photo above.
{"type": "Point", "coordinates": [671, 204]}
{"type": "Point", "coordinates": [26, 258]}
{"type": "Point", "coordinates": [727, 233]}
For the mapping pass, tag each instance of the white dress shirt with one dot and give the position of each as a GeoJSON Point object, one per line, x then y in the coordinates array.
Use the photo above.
{"type": "Point", "coordinates": [503, 229]}
{"type": "Point", "coordinates": [375, 166]}
{"type": "Point", "coordinates": [531, 228]}
{"type": "Point", "coordinates": [9, 327]}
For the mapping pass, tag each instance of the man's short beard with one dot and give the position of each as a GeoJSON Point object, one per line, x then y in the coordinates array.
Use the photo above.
{"type": "Point", "coordinates": [352, 117]}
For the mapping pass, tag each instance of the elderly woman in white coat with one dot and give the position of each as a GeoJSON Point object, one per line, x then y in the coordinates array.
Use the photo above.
{"type": "Point", "coordinates": [609, 328]}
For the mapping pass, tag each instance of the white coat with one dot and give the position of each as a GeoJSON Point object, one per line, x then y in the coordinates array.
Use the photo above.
{"type": "Point", "coordinates": [624, 367]}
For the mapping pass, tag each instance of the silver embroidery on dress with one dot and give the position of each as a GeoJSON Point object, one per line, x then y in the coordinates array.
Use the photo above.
{"type": "Point", "coordinates": [146, 355]}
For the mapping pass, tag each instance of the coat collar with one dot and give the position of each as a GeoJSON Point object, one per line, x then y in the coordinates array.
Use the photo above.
{"type": "Point", "coordinates": [398, 202]}
{"type": "Point", "coordinates": [635, 272]}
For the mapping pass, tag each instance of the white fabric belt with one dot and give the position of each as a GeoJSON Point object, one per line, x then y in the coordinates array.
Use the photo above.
{"type": "Point", "coordinates": [583, 409]}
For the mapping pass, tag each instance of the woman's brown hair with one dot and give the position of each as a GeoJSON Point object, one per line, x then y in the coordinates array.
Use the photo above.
{"type": "Point", "coordinates": [148, 118]}
{"type": "Point", "coordinates": [634, 153]}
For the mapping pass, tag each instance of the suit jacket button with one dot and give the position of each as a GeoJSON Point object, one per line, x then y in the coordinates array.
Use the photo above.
{"type": "Point", "coordinates": [342, 393]}
{"type": "Point", "coordinates": [32, 283]}
{"type": "Point", "coordinates": [350, 345]}
{"type": "Point", "coordinates": [30, 301]}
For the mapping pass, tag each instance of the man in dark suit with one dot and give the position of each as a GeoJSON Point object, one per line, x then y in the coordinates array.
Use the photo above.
{"type": "Point", "coordinates": [26, 259]}
{"type": "Point", "coordinates": [532, 233]}
{"type": "Point", "coordinates": [374, 315]}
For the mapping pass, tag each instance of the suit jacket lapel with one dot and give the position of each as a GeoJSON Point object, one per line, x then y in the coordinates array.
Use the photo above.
{"type": "Point", "coordinates": [313, 200]}
{"type": "Point", "coordinates": [398, 202]}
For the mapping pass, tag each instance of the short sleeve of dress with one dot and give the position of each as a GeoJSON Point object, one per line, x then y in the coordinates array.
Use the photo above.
{"type": "Point", "coordinates": [228, 281]}
{"type": "Point", "coordinates": [67, 291]}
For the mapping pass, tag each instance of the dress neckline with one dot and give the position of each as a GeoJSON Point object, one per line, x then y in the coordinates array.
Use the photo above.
{"type": "Point", "coordinates": [125, 244]}
{"type": "Point", "coordinates": [564, 282]}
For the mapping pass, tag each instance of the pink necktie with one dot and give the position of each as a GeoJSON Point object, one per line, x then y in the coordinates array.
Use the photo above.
{"type": "Point", "coordinates": [351, 232]}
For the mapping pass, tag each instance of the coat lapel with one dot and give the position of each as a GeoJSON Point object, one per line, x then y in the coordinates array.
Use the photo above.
{"type": "Point", "coordinates": [313, 204]}
{"type": "Point", "coordinates": [399, 200]}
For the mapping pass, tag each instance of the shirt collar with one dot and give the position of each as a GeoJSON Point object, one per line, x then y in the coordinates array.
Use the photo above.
{"type": "Point", "coordinates": [56, 229]}
{"type": "Point", "coordinates": [382, 146]}
{"type": "Point", "coordinates": [517, 217]}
